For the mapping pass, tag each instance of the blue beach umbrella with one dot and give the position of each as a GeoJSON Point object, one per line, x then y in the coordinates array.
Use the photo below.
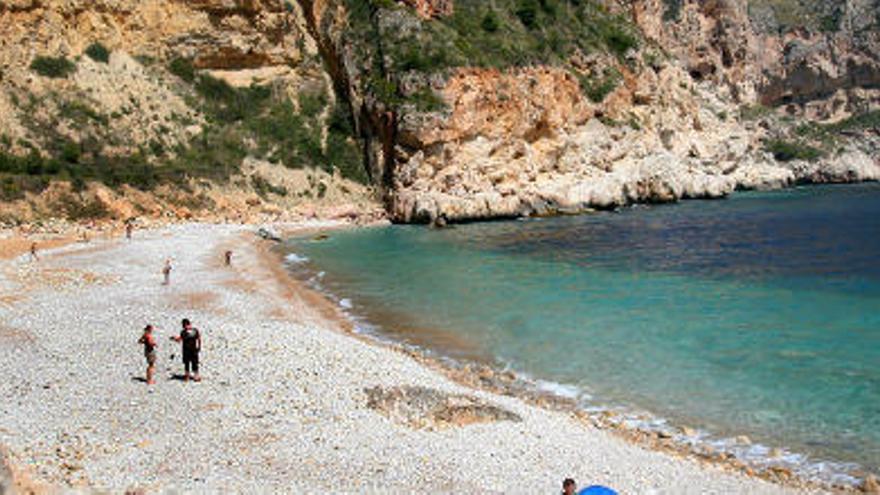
{"type": "Point", "coordinates": [597, 490]}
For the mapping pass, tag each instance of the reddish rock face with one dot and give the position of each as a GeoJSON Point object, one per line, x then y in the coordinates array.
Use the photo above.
{"type": "Point", "coordinates": [431, 8]}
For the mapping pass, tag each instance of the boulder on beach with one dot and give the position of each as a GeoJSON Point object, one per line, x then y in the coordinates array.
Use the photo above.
{"type": "Point", "coordinates": [422, 407]}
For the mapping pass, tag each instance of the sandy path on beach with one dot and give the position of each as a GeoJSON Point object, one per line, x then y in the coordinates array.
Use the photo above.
{"type": "Point", "coordinates": [284, 404]}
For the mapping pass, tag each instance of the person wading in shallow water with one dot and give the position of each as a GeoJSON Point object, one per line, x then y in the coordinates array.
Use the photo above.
{"type": "Point", "coordinates": [129, 228]}
{"type": "Point", "coordinates": [191, 341]}
{"type": "Point", "coordinates": [149, 342]}
{"type": "Point", "coordinates": [34, 256]}
{"type": "Point", "coordinates": [227, 256]}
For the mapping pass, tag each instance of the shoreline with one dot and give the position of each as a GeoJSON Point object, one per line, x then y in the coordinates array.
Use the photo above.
{"type": "Point", "coordinates": [638, 426]}
{"type": "Point", "coordinates": [80, 443]}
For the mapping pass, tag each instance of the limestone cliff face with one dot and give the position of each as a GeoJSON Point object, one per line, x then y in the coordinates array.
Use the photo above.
{"type": "Point", "coordinates": [822, 63]}
{"type": "Point", "coordinates": [528, 140]}
{"type": "Point", "coordinates": [233, 33]}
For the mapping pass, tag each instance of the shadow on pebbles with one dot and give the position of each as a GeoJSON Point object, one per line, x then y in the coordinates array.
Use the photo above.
{"type": "Point", "coordinates": [427, 408]}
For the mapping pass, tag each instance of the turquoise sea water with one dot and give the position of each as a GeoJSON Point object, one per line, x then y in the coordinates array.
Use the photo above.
{"type": "Point", "coordinates": [753, 316]}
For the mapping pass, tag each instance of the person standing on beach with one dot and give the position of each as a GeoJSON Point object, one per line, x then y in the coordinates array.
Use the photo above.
{"type": "Point", "coordinates": [149, 343]}
{"type": "Point", "coordinates": [34, 256]}
{"type": "Point", "coordinates": [227, 256]}
{"type": "Point", "coordinates": [166, 272]}
{"type": "Point", "coordinates": [129, 228]}
{"type": "Point", "coordinates": [191, 342]}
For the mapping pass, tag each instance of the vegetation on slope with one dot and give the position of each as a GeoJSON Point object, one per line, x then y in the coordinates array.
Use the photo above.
{"type": "Point", "coordinates": [811, 141]}
{"type": "Point", "coordinates": [404, 52]}
{"type": "Point", "coordinates": [98, 52]}
{"type": "Point", "coordinates": [53, 67]}
{"type": "Point", "coordinates": [239, 122]}
{"type": "Point", "coordinates": [784, 15]}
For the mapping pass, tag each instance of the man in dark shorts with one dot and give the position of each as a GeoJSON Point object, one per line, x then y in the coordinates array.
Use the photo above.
{"type": "Point", "coordinates": [191, 341]}
{"type": "Point", "coordinates": [149, 342]}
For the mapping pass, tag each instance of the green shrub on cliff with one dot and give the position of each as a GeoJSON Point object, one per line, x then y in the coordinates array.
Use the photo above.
{"type": "Point", "coordinates": [403, 52]}
{"type": "Point", "coordinates": [527, 12]}
{"type": "Point", "coordinates": [754, 112]}
{"type": "Point", "coordinates": [343, 152]}
{"type": "Point", "coordinates": [226, 104]}
{"type": "Point", "coordinates": [75, 209]}
{"type": "Point", "coordinates": [279, 131]}
{"type": "Point", "coordinates": [828, 137]}
{"type": "Point", "coordinates": [786, 151]}
{"type": "Point", "coordinates": [32, 172]}
{"type": "Point", "coordinates": [263, 187]}
{"type": "Point", "coordinates": [182, 68]}
{"type": "Point", "coordinates": [505, 33]}
{"type": "Point", "coordinates": [81, 113]}
{"type": "Point", "coordinates": [490, 22]}
{"type": "Point", "coordinates": [295, 138]}
{"type": "Point", "coordinates": [598, 87]}
{"type": "Point", "coordinates": [71, 152]}
{"type": "Point", "coordinates": [671, 10]}
{"type": "Point", "coordinates": [98, 52]}
{"type": "Point", "coordinates": [783, 15]}
{"type": "Point", "coordinates": [618, 40]}
{"type": "Point", "coordinates": [866, 120]}
{"type": "Point", "coordinates": [53, 67]}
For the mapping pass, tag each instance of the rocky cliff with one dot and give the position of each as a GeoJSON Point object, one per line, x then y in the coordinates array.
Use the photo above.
{"type": "Point", "coordinates": [817, 59]}
{"type": "Point", "coordinates": [523, 108]}
{"type": "Point", "coordinates": [453, 109]}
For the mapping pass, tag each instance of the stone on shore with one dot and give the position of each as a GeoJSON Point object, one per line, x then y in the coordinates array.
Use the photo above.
{"type": "Point", "coordinates": [422, 407]}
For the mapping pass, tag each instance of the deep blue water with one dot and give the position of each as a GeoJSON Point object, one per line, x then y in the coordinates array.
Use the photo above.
{"type": "Point", "coordinates": [753, 316]}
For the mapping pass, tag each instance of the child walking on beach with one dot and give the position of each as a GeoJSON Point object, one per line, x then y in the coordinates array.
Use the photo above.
{"type": "Point", "coordinates": [191, 341]}
{"type": "Point", "coordinates": [149, 343]}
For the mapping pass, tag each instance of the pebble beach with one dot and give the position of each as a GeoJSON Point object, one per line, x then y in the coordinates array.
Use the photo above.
{"type": "Point", "coordinates": [290, 402]}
